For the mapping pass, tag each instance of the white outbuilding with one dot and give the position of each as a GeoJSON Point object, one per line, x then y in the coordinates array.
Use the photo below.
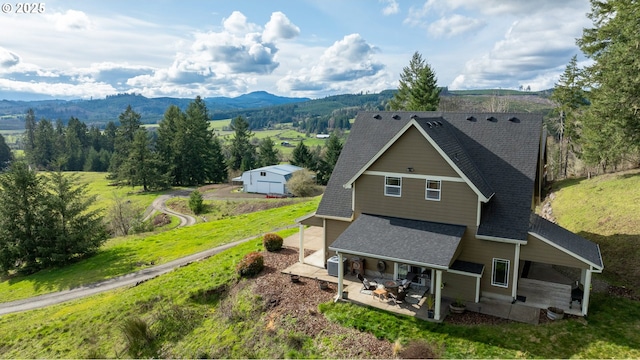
{"type": "Point", "coordinates": [269, 179]}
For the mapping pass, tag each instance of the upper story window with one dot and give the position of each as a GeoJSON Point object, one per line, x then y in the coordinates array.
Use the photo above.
{"type": "Point", "coordinates": [263, 173]}
{"type": "Point", "coordinates": [392, 186]}
{"type": "Point", "coordinates": [500, 273]}
{"type": "Point", "coordinates": [433, 190]}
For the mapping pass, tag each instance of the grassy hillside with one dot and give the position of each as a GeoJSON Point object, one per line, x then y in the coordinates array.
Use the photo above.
{"type": "Point", "coordinates": [606, 209]}
{"type": "Point", "coordinates": [123, 255]}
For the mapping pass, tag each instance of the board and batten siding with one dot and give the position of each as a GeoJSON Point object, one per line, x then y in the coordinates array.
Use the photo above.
{"type": "Point", "coordinates": [458, 203]}
{"type": "Point", "coordinates": [538, 251]}
{"type": "Point", "coordinates": [412, 150]}
{"type": "Point", "coordinates": [483, 252]}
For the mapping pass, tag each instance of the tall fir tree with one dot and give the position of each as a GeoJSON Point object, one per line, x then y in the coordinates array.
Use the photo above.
{"type": "Point", "coordinates": [6, 156]}
{"type": "Point", "coordinates": [243, 153]}
{"type": "Point", "coordinates": [418, 89]}
{"type": "Point", "coordinates": [30, 135]}
{"type": "Point", "coordinates": [267, 153]}
{"type": "Point", "coordinates": [125, 133]}
{"type": "Point", "coordinates": [301, 156]}
{"type": "Point", "coordinates": [612, 122]}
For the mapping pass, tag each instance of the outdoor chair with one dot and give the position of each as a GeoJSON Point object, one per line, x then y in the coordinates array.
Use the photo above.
{"type": "Point", "coordinates": [399, 298]}
{"type": "Point", "coordinates": [406, 282]}
{"type": "Point", "coordinates": [366, 284]}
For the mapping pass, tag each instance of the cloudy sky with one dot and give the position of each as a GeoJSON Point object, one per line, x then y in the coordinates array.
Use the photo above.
{"type": "Point", "coordinates": [311, 48]}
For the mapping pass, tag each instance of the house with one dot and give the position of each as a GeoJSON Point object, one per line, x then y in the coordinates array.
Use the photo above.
{"type": "Point", "coordinates": [451, 197]}
{"type": "Point", "coordinates": [268, 180]}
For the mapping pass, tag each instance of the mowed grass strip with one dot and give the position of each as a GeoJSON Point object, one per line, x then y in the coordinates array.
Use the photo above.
{"type": "Point", "coordinates": [124, 255]}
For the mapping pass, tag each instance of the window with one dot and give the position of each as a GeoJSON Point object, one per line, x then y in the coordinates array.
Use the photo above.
{"type": "Point", "coordinates": [433, 190]}
{"type": "Point", "coordinates": [392, 186]}
{"type": "Point", "coordinates": [500, 273]}
{"type": "Point", "coordinates": [263, 173]}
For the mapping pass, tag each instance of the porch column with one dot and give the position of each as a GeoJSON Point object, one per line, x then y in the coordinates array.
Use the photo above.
{"type": "Point", "coordinates": [438, 295]}
{"type": "Point", "coordinates": [587, 292]}
{"type": "Point", "coordinates": [301, 246]}
{"type": "Point", "coordinates": [516, 270]}
{"type": "Point", "coordinates": [340, 276]}
{"type": "Point", "coordinates": [478, 289]}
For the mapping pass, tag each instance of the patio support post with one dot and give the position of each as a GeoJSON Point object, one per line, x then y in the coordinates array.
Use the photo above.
{"type": "Point", "coordinates": [478, 289]}
{"type": "Point", "coordinates": [301, 247]}
{"type": "Point", "coordinates": [586, 293]}
{"type": "Point", "coordinates": [340, 275]}
{"type": "Point", "coordinates": [516, 266]}
{"type": "Point", "coordinates": [438, 295]}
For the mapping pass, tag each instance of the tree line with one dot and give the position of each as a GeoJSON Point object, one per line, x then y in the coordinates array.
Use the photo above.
{"type": "Point", "coordinates": [597, 120]}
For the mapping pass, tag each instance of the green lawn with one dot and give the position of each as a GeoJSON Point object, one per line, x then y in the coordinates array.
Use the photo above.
{"type": "Point", "coordinates": [132, 253]}
{"type": "Point", "coordinates": [605, 209]}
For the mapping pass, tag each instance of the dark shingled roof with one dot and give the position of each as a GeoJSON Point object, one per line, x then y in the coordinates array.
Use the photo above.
{"type": "Point", "coordinates": [410, 241]}
{"type": "Point", "coordinates": [497, 155]}
{"type": "Point", "coordinates": [468, 267]}
{"type": "Point", "coordinates": [567, 240]}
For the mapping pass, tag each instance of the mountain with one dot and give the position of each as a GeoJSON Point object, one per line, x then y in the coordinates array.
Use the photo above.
{"type": "Point", "coordinates": [100, 111]}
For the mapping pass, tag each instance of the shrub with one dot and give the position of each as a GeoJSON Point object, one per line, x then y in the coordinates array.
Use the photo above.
{"type": "Point", "coordinates": [272, 242]}
{"type": "Point", "coordinates": [251, 264]}
{"type": "Point", "coordinates": [302, 184]}
{"type": "Point", "coordinates": [138, 338]}
{"type": "Point", "coordinates": [196, 203]}
{"type": "Point", "coordinates": [420, 349]}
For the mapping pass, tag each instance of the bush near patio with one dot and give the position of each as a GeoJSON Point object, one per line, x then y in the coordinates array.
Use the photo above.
{"type": "Point", "coordinates": [272, 242]}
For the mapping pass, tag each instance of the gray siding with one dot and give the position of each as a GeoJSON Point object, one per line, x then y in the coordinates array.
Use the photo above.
{"type": "Point", "coordinates": [459, 286]}
{"type": "Point", "coordinates": [457, 205]}
{"type": "Point", "coordinates": [332, 230]}
{"type": "Point", "coordinates": [538, 251]}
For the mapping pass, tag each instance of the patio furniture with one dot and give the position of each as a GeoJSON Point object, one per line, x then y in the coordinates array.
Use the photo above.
{"type": "Point", "coordinates": [366, 284]}
{"type": "Point", "coordinates": [576, 294]}
{"type": "Point", "coordinates": [399, 298]}
{"type": "Point", "coordinates": [391, 286]}
{"type": "Point", "coordinates": [406, 282]}
{"type": "Point", "coordinates": [380, 294]}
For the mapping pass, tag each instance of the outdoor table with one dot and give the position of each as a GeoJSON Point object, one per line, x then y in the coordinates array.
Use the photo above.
{"type": "Point", "coordinates": [380, 293]}
{"type": "Point", "coordinates": [392, 286]}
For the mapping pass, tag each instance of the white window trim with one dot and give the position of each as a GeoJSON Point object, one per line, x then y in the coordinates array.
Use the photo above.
{"type": "Point", "coordinates": [493, 272]}
{"type": "Point", "coordinates": [399, 187]}
{"type": "Point", "coordinates": [427, 190]}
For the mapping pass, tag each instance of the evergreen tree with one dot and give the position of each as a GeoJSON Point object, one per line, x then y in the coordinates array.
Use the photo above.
{"type": "Point", "coordinates": [166, 143]}
{"type": "Point", "coordinates": [218, 172]}
{"type": "Point", "coordinates": [243, 154]}
{"type": "Point", "coordinates": [142, 165]}
{"type": "Point", "coordinates": [110, 134]}
{"type": "Point", "coordinates": [20, 217]}
{"type": "Point", "coordinates": [30, 134]}
{"type": "Point", "coordinates": [6, 156]}
{"type": "Point", "coordinates": [75, 144]}
{"type": "Point", "coordinates": [193, 143]}
{"type": "Point", "coordinates": [73, 229]}
{"type": "Point", "coordinates": [129, 125]}
{"type": "Point", "coordinates": [418, 89]}
{"type": "Point", "coordinates": [267, 153]}
{"type": "Point", "coordinates": [301, 156]}
{"type": "Point", "coordinates": [570, 97]}
{"type": "Point", "coordinates": [44, 153]}
{"type": "Point", "coordinates": [612, 122]}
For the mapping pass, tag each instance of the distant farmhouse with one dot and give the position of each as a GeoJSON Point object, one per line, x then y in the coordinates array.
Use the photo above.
{"type": "Point", "coordinates": [267, 180]}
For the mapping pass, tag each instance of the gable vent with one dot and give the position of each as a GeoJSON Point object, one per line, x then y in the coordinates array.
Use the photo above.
{"type": "Point", "coordinates": [396, 116]}
{"type": "Point", "coordinates": [491, 118]}
{"type": "Point", "coordinates": [377, 116]}
{"type": "Point", "coordinates": [514, 119]}
{"type": "Point", "coordinates": [471, 118]}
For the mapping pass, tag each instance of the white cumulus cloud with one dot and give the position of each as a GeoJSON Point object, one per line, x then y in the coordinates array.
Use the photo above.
{"type": "Point", "coordinates": [71, 20]}
{"type": "Point", "coordinates": [279, 27]}
{"type": "Point", "coordinates": [392, 7]}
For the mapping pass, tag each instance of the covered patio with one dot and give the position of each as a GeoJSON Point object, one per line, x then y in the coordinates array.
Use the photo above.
{"type": "Point", "coordinates": [417, 243]}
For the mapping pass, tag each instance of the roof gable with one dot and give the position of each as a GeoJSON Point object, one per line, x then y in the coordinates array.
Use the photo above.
{"type": "Point", "coordinates": [468, 172]}
{"type": "Point", "coordinates": [502, 147]}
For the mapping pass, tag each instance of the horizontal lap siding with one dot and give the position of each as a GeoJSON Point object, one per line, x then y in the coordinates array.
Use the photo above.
{"type": "Point", "coordinates": [458, 203]}
{"type": "Point", "coordinates": [539, 251]}
{"type": "Point", "coordinates": [483, 252]}
{"type": "Point", "coordinates": [333, 229]}
{"type": "Point", "coordinates": [459, 286]}
{"type": "Point", "coordinates": [413, 150]}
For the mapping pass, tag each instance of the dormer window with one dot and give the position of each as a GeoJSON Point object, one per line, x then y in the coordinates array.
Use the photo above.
{"type": "Point", "coordinates": [432, 191]}
{"type": "Point", "coordinates": [392, 186]}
